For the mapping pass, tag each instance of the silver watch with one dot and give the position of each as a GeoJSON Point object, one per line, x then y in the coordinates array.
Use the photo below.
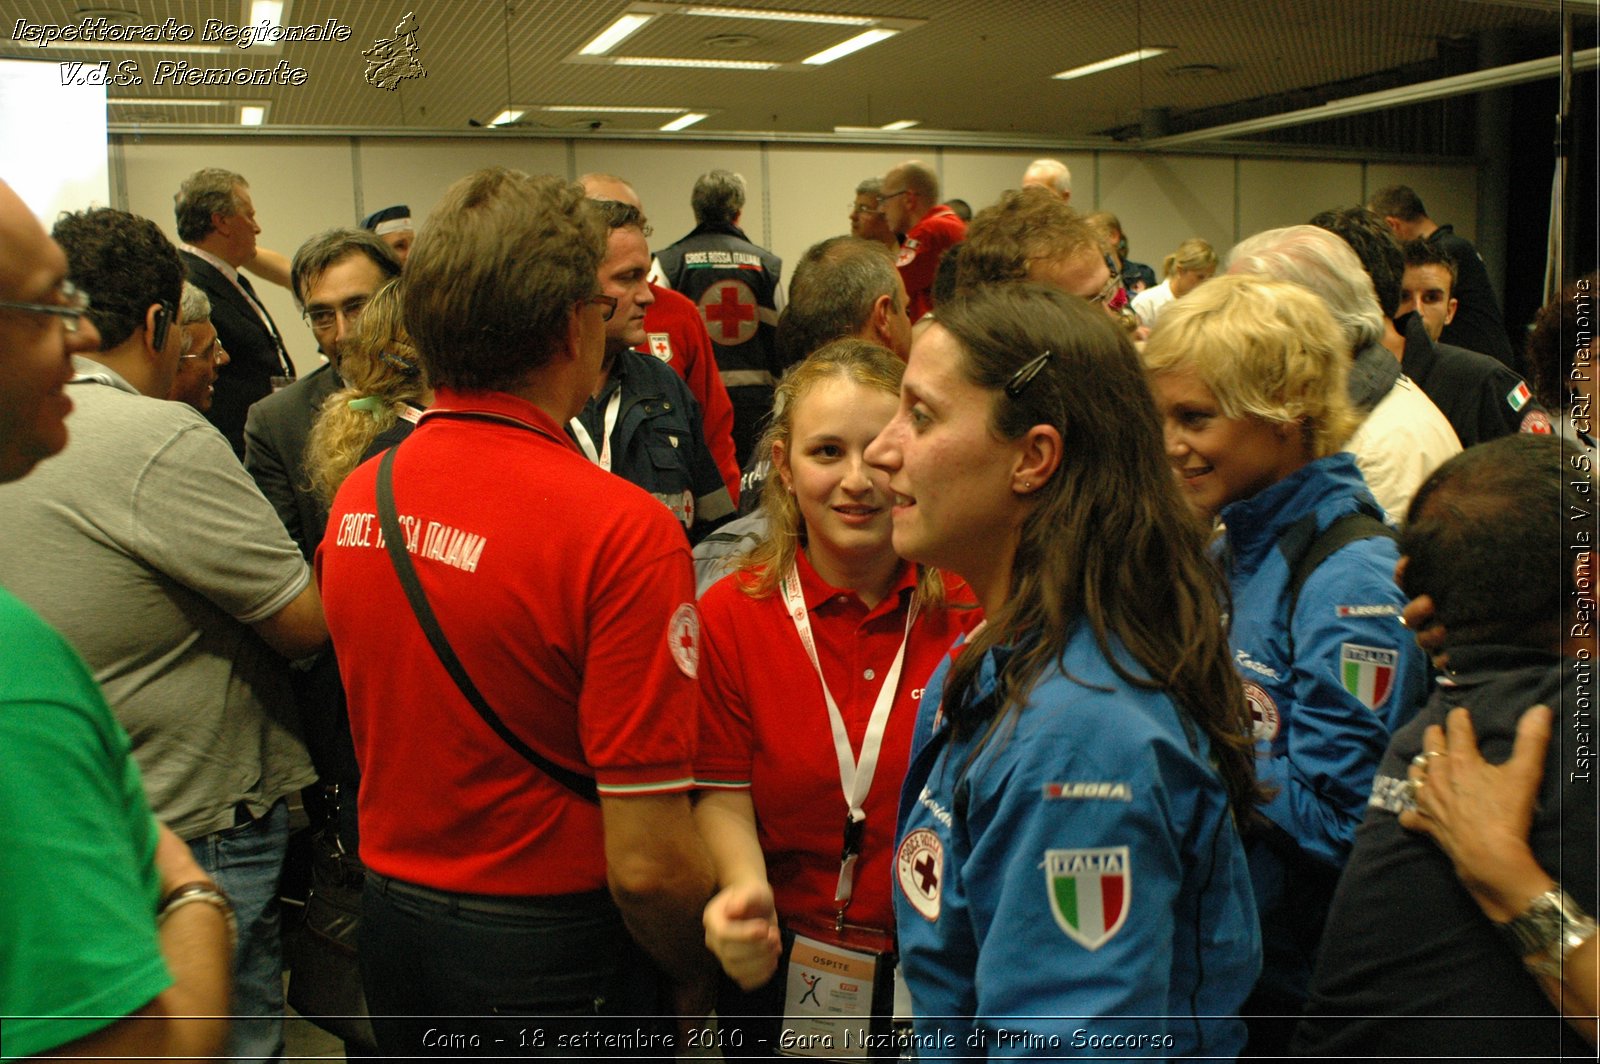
{"type": "Point", "coordinates": [1548, 930]}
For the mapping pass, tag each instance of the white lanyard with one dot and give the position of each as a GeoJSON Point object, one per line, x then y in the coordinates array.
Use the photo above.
{"type": "Point", "coordinates": [601, 458]}
{"type": "Point", "coordinates": [411, 413]}
{"type": "Point", "coordinates": [855, 776]}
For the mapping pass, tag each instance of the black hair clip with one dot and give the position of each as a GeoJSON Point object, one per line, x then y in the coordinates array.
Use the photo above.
{"type": "Point", "coordinates": [1023, 377]}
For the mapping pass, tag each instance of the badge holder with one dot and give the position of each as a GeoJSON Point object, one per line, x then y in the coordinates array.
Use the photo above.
{"type": "Point", "coordinates": [838, 997]}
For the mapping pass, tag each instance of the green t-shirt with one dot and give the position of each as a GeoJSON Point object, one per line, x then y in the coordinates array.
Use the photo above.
{"type": "Point", "coordinates": [78, 882]}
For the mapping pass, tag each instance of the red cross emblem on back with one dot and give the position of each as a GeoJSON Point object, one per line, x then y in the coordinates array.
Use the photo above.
{"type": "Point", "coordinates": [730, 311]}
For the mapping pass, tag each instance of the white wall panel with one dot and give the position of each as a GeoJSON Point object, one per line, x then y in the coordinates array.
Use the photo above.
{"type": "Point", "coordinates": [980, 176]}
{"type": "Point", "coordinates": [1279, 192]}
{"type": "Point", "coordinates": [299, 187]}
{"type": "Point", "coordinates": [1162, 201]}
{"type": "Point", "coordinates": [664, 175]}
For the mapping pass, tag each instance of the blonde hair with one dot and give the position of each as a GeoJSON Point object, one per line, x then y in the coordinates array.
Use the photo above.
{"type": "Point", "coordinates": [860, 362]}
{"type": "Point", "coordinates": [382, 374]}
{"type": "Point", "coordinates": [1266, 348]}
{"type": "Point", "coordinates": [1192, 254]}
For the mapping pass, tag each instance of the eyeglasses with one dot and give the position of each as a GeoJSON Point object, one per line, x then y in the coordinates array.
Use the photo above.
{"type": "Point", "coordinates": [1112, 288]}
{"type": "Point", "coordinates": [607, 305]}
{"type": "Point", "coordinates": [71, 310]}
{"type": "Point", "coordinates": [213, 349]}
{"type": "Point", "coordinates": [324, 317]}
{"type": "Point", "coordinates": [890, 195]}
{"type": "Point", "coordinates": [1024, 376]}
{"type": "Point", "coordinates": [856, 208]}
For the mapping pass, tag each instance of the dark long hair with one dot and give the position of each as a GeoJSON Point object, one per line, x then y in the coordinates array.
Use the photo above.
{"type": "Point", "coordinates": [1110, 540]}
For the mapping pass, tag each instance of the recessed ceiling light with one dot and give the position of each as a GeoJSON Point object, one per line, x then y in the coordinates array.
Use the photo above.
{"type": "Point", "coordinates": [844, 48]}
{"type": "Point", "coordinates": [505, 117]}
{"type": "Point", "coordinates": [614, 34]}
{"type": "Point", "coordinates": [781, 16]}
{"type": "Point", "coordinates": [268, 11]}
{"type": "Point", "coordinates": [904, 123]}
{"type": "Point", "coordinates": [1114, 61]}
{"type": "Point", "coordinates": [708, 64]}
{"type": "Point", "coordinates": [252, 114]}
{"type": "Point", "coordinates": [134, 101]}
{"type": "Point", "coordinates": [610, 110]}
{"type": "Point", "coordinates": [684, 122]}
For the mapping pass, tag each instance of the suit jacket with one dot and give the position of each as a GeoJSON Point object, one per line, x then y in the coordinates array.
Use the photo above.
{"type": "Point", "coordinates": [275, 434]}
{"type": "Point", "coordinates": [254, 356]}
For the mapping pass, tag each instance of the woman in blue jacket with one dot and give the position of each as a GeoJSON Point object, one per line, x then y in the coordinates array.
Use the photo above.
{"type": "Point", "coordinates": [1068, 879]}
{"type": "Point", "coordinates": [1249, 375]}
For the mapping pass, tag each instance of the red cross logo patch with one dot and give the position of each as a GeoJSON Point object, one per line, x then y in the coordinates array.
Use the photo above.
{"type": "Point", "coordinates": [731, 312]}
{"type": "Point", "coordinates": [660, 345]}
{"type": "Point", "coordinates": [683, 639]}
{"type": "Point", "coordinates": [919, 867]}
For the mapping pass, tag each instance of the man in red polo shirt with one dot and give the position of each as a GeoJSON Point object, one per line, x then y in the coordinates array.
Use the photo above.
{"type": "Point", "coordinates": [910, 204]}
{"type": "Point", "coordinates": [676, 334]}
{"type": "Point", "coordinates": [493, 890]}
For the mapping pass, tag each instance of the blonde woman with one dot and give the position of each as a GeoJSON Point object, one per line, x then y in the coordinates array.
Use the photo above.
{"type": "Point", "coordinates": [814, 655]}
{"type": "Point", "coordinates": [1249, 376]}
{"type": "Point", "coordinates": [385, 392]}
{"type": "Point", "coordinates": [1184, 270]}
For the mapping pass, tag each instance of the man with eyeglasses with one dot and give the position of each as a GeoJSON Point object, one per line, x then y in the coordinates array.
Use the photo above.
{"type": "Point", "coordinates": [1031, 234]}
{"type": "Point", "coordinates": [866, 216]}
{"type": "Point", "coordinates": [333, 276]}
{"type": "Point", "coordinates": [911, 208]}
{"type": "Point", "coordinates": [152, 551]}
{"type": "Point", "coordinates": [102, 957]}
{"type": "Point", "coordinates": [202, 352]}
{"type": "Point", "coordinates": [642, 422]}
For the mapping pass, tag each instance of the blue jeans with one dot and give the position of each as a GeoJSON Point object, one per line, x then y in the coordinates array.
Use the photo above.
{"type": "Point", "coordinates": [457, 976]}
{"type": "Point", "coordinates": [246, 860]}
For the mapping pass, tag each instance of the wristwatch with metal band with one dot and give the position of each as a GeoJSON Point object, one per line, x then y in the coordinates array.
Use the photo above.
{"type": "Point", "coordinates": [1547, 931]}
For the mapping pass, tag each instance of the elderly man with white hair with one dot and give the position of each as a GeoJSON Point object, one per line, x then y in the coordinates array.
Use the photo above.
{"type": "Point", "coordinates": [1403, 437]}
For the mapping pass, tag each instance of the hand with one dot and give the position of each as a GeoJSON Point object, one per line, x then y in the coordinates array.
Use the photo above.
{"type": "Point", "coordinates": [742, 932]}
{"type": "Point", "coordinates": [175, 864]}
{"type": "Point", "coordinates": [1418, 616]}
{"type": "Point", "coordinates": [1481, 814]}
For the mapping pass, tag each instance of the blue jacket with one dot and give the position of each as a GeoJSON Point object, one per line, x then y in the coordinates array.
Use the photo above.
{"type": "Point", "coordinates": [1325, 692]}
{"type": "Point", "coordinates": [1080, 889]}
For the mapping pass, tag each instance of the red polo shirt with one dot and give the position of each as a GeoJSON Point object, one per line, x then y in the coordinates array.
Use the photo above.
{"type": "Point", "coordinates": [939, 229]}
{"type": "Point", "coordinates": [566, 592]}
{"type": "Point", "coordinates": [765, 727]}
{"type": "Point", "coordinates": [676, 334]}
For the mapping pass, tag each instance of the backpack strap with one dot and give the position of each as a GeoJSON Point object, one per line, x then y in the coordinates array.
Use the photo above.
{"type": "Point", "coordinates": [1304, 549]}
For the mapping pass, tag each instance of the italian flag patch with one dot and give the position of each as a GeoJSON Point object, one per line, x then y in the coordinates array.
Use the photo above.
{"type": "Point", "coordinates": [1089, 892]}
{"type": "Point", "coordinates": [1368, 672]}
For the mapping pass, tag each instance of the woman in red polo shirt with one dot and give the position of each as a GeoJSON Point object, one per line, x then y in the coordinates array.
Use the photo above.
{"type": "Point", "coordinates": [814, 655]}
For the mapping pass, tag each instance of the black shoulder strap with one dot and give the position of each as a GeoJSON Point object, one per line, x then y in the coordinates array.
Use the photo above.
{"type": "Point", "coordinates": [1303, 549]}
{"type": "Point", "coordinates": [394, 542]}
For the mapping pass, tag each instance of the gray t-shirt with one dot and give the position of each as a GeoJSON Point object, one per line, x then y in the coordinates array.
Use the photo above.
{"type": "Point", "coordinates": [151, 550]}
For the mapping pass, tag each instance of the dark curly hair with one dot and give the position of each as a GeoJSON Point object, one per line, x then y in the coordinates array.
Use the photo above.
{"type": "Point", "coordinates": [125, 263]}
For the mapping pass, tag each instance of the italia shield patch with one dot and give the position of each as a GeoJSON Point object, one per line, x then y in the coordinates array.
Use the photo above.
{"type": "Point", "coordinates": [1368, 672]}
{"type": "Point", "coordinates": [1090, 892]}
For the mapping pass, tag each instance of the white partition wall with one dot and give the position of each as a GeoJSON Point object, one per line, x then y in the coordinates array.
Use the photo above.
{"type": "Point", "coordinates": [798, 193]}
{"type": "Point", "coordinates": [300, 186]}
{"type": "Point", "coordinates": [664, 175]}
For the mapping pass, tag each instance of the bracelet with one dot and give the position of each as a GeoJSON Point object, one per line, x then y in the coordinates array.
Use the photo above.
{"type": "Point", "coordinates": [207, 893]}
{"type": "Point", "coordinates": [1547, 931]}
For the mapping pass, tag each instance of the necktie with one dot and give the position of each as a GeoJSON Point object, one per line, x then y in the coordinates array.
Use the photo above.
{"type": "Point", "coordinates": [272, 326]}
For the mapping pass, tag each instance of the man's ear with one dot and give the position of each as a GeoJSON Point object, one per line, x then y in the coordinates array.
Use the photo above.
{"type": "Point", "coordinates": [1450, 310]}
{"type": "Point", "coordinates": [1038, 457]}
{"type": "Point", "coordinates": [878, 320]}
